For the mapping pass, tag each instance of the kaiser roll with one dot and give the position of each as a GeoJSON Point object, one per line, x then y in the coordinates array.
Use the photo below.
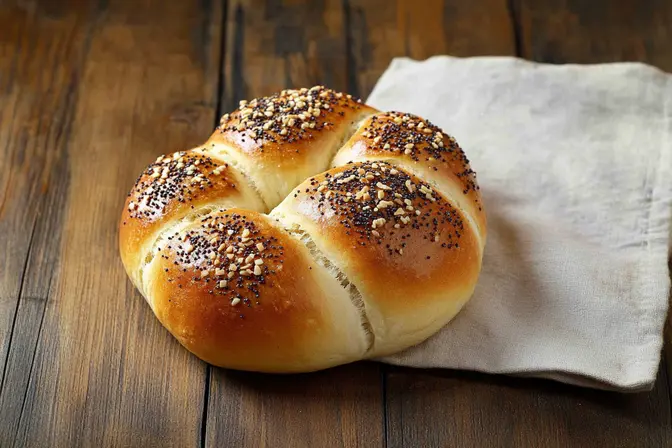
{"type": "Point", "coordinates": [309, 231]}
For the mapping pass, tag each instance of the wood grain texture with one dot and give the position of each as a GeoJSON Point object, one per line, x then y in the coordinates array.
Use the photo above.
{"type": "Point", "coordinates": [341, 407]}
{"type": "Point", "coordinates": [270, 46]}
{"type": "Point", "coordinates": [470, 410]}
{"type": "Point", "coordinates": [275, 44]}
{"type": "Point", "coordinates": [104, 371]}
{"type": "Point", "coordinates": [40, 65]}
{"type": "Point", "coordinates": [381, 30]}
{"type": "Point", "coordinates": [575, 31]}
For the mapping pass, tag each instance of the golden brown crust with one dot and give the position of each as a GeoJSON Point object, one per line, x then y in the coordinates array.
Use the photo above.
{"type": "Point", "coordinates": [282, 139]}
{"type": "Point", "coordinates": [170, 188]}
{"type": "Point", "coordinates": [375, 256]}
{"type": "Point", "coordinates": [287, 127]}
{"type": "Point", "coordinates": [241, 293]}
{"type": "Point", "coordinates": [416, 142]}
{"type": "Point", "coordinates": [396, 238]}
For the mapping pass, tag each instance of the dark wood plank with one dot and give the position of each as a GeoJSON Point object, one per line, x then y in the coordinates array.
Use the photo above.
{"type": "Point", "coordinates": [381, 30]}
{"type": "Point", "coordinates": [338, 407]}
{"type": "Point", "coordinates": [469, 410]}
{"type": "Point", "coordinates": [41, 54]}
{"type": "Point", "coordinates": [142, 83]}
{"type": "Point", "coordinates": [576, 31]}
{"type": "Point", "coordinates": [270, 46]}
{"type": "Point", "coordinates": [275, 44]}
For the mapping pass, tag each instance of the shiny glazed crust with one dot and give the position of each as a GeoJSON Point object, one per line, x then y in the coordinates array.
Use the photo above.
{"type": "Point", "coordinates": [409, 252]}
{"type": "Point", "coordinates": [171, 188]}
{"type": "Point", "coordinates": [239, 292]}
{"type": "Point", "coordinates": [422, 147]}
{"type": "Point", "coordinates": [373, 242]}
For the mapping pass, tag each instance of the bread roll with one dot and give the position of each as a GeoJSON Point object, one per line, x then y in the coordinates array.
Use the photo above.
{"type": "Point", "coordinates": [309, 231]}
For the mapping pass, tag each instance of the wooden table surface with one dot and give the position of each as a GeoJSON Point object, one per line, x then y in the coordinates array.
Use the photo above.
{"type": "Point", "coordinates": [91, 92]}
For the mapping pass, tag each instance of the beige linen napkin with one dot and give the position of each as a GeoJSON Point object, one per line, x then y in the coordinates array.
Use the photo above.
{"type": "Point", "coordinates": [575, 166]}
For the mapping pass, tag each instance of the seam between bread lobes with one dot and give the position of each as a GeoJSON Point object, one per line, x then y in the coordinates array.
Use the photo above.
{"type": "Point", "coordinates": [371, 225]}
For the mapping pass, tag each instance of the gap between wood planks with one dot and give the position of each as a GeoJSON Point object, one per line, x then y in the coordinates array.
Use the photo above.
{"type": "Point", "coordinates": [33, 294]}
{"type": "Point", "coordinates": [514, 15]}
{"type": "Point", "coordinates": [218, 113]}
{"type": "Point", "coordinates": [18, 301]}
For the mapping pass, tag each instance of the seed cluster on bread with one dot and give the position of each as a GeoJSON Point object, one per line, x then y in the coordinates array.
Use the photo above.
{"type": "Point", "coordinates": [289, 116]}
{"type": "Point", "coordinates": [180, 177]}
{"type": "Point", "coordinates": [310, 230]}
{"type": "Point", "coordinates": [229, 254]}
{"type": "Point", "coordinates": [420, 140]}
{"type": "Point", "coordinates": [374, 200]}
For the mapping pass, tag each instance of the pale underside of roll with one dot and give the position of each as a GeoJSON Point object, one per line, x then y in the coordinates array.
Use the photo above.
{"type": "Point", "coordinates": [309, 231]}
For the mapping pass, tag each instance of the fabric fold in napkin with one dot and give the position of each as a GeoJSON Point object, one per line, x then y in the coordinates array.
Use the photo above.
{"type": "Point", "coordinates": [575, 168]}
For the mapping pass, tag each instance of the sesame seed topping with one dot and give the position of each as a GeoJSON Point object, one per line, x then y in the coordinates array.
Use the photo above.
{"type": "Point", "coordinates": [420, 140]}
{"type": "Point", "coordinates": [372, 218]}
{"type": "Point", "coordinates": [288, 116]}
{"type": "Point", "coordinates": [236, 272]}
{"type": "Point", "coordinates": [180, 178]}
